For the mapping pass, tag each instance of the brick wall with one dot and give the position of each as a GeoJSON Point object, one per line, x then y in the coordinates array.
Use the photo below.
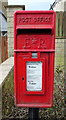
{"type": "Point", "coordinates": [60, 38]}
{"type": "Point", "coordinates": [59, 53]}
{"type": "Point", "coordinates": [10, 27]}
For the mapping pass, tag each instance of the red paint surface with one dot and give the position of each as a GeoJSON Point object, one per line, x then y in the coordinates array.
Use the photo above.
{"type": "Point", "coordinates": [34, 31]}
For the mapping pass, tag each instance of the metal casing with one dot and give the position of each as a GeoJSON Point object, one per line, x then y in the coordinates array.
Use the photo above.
{"type": "Point", "coordinates": [34, 47]}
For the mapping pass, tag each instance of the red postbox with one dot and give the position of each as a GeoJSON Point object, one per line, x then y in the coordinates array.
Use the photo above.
{"type": "Point", "coordinates": [34, 49]}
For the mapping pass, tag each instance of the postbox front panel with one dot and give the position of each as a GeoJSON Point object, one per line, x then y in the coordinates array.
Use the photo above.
{"type": "Point", "coordinates": [28, 92]}
{"type": "Point", "coordinates": [34, 46]}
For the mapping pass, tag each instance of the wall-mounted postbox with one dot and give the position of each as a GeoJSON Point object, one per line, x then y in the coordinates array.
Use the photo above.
{"type": "Point", "coordinates": [34, 49]}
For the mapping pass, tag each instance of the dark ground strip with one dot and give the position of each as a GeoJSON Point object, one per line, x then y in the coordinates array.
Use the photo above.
{"type": "Point", "coordinates": [28, 119]}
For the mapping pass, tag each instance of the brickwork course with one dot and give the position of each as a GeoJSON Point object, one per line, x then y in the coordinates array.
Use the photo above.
{"type": "Point", "coordinates": [59, 52]}
{"type": "Point", "coordinates": [10, 26]}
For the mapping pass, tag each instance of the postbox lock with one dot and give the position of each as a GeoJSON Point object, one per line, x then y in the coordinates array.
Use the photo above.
{"type": "Point", "coordinates": [22, 78]}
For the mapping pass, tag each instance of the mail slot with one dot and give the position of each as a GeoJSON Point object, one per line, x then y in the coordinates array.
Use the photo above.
{"type": "Point", "coordinates": [34, 49]}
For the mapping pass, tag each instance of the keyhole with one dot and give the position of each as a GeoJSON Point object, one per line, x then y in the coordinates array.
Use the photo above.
{"type": "Point", "coordinates": [22, 78]}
